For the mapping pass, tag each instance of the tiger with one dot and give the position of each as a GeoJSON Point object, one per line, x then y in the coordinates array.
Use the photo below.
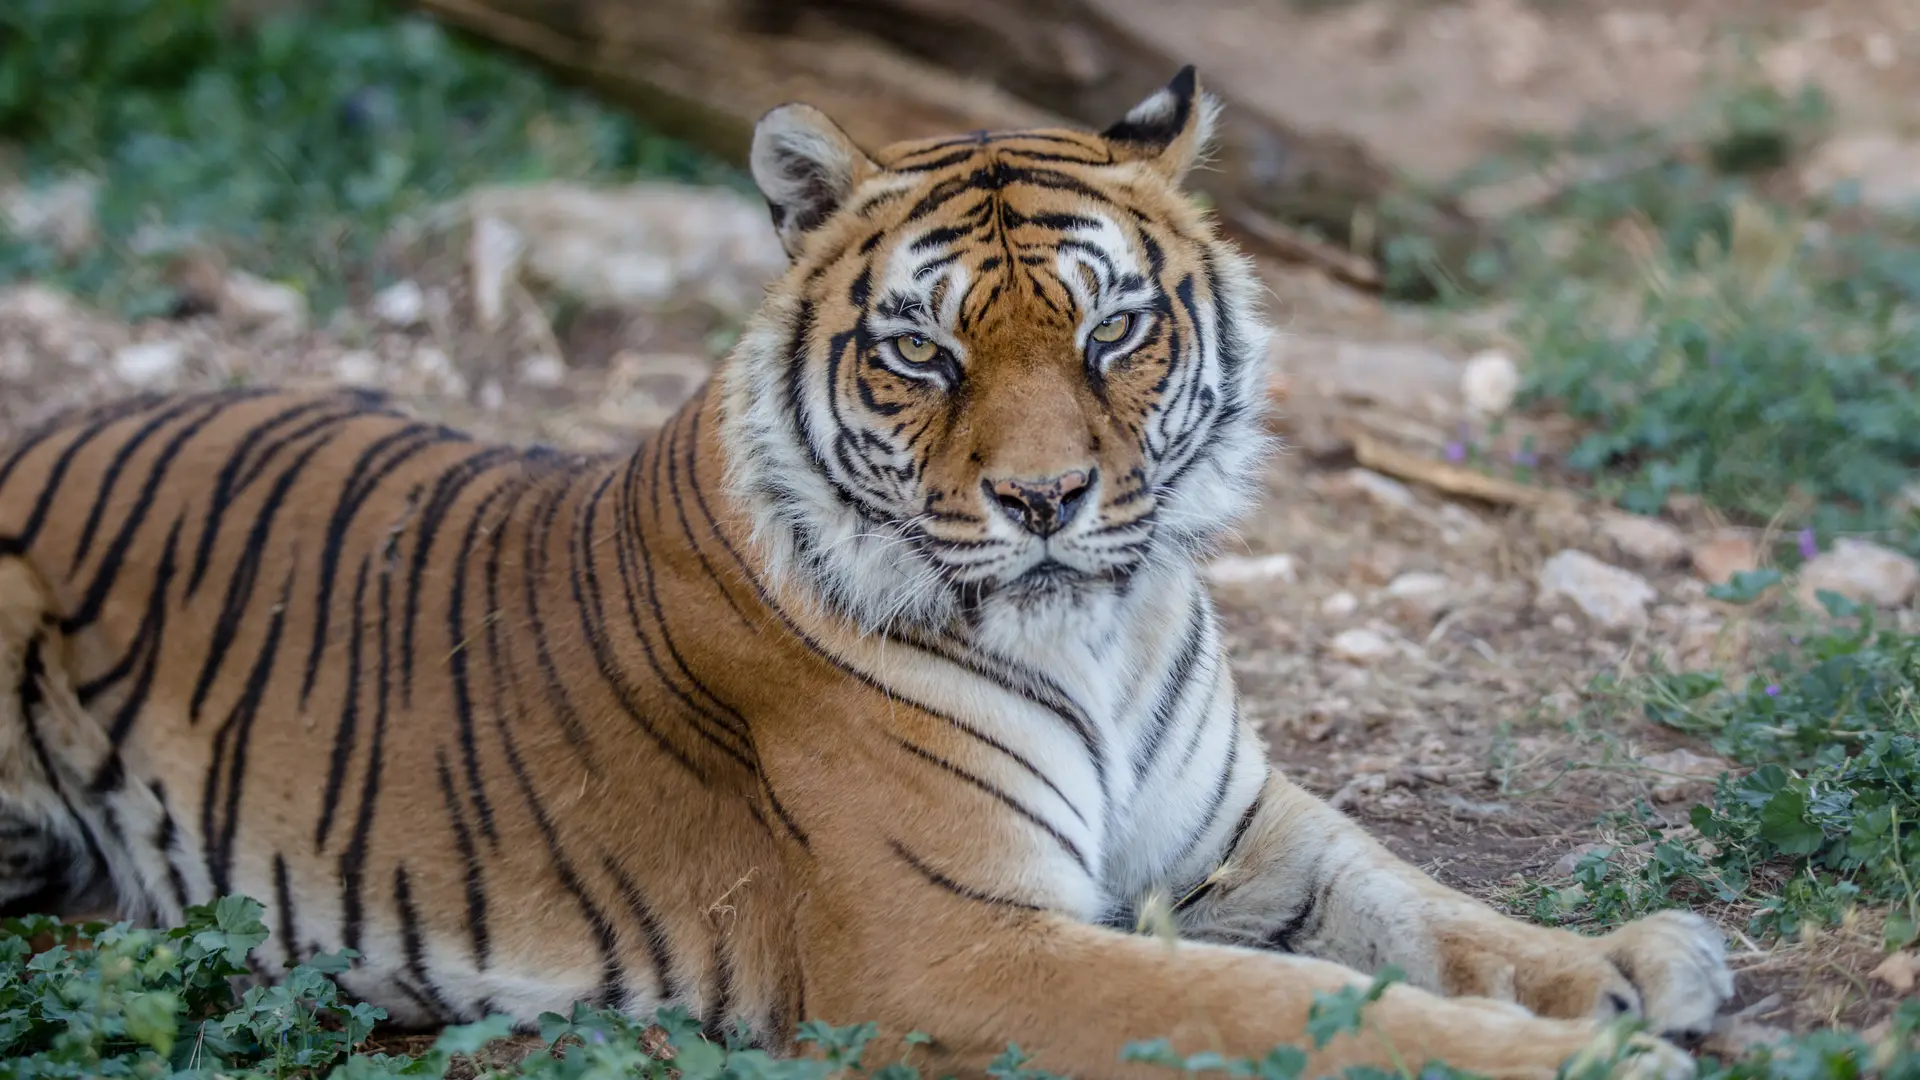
{"type": "Point", "coordinates": [879, 684]}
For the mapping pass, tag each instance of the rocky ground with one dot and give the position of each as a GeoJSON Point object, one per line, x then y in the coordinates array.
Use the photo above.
{"type": "Point", "coordinates": [1417, 637]}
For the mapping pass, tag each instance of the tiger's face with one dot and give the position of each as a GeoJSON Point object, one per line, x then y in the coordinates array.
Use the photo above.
{"type": "Point", "coordinates": [1006, 374]}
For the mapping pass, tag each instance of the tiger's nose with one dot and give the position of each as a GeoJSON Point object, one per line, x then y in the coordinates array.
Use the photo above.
{"type": "Point", "coordinates": [1042, 507]}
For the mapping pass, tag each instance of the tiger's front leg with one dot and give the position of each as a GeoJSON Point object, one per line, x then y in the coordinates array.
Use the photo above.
{"type": "Point", "coordinates": [1301, 877]}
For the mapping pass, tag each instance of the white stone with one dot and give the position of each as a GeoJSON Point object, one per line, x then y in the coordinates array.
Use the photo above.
{"type": "Point", "coordinates": [357, 368]}
{"type": "Point", "coordinates": [1613, 598]}
{"type": "Point", "coordinates": [1252, 569]}
{"type": "Point", "coordinates": [494, 255]}
{"type": "Point", "coordinates": [1646, 540]}
{"type": "Point", "coordinates": [1862, 572]}
{"type": "Point", "coordinates": [1420, 593]}
{"type": "Point", "coordinates": [401, 305]}
{"type": "Point", "coordinates": [254, 301]}
{"type": "Point", "coordinates": [1886, 168]}
{"type": "Point", "coordinates": [1340, 605]}
{"type": "Point", "coordinates": [1383, 490]}
{"type": "Point", "coordinates": [149, 363]}
{"type": "Point", "coordinates": [542, 369]}
{"type": "Point", "coordinates": [60, 214]}
{"type": "Point", "coordinates": [1360, 646]}
{"type": "Point", "coordinates": [1490, 382]}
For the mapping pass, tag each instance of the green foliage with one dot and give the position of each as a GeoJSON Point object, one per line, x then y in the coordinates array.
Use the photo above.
{"type": "Point", "coordinates": [1721, 344]}
{"type": "Point", "coordinates": [1827, 815]}
{"type": "Point", "coordinates": [290, 138]}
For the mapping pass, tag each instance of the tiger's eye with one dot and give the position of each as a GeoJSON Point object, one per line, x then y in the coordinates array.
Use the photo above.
{"type": "Point", "coordinates": [1113, 329]}
{"type": "Point", "coordinates": [915, 349]}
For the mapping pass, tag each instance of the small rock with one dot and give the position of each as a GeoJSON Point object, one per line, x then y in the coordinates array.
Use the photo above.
{"type": "Point", "coordinates": [60, 214]}
{"type": "Point", "coordinates": [1685, 774]}
{"type": "Point", "coordinates": [1252, 569]}
{"type": "Point", "coordinates": [149, 363]}
{"type": "Point", "coordinates": [357, 368]}
{"type": "Point", "coordinates": [1566, 864]}
{"type": "Point", "coordinates": [401, 305]}
{"type": "Point", "coordinates": [1862, 572]}
{"type": "Point", "coordinates": [1563, 623]}
{"type": "Point", "coordinates": [1718, 559]}
{"type": "Point", "coordinates": [1900, 971]}
{"type": "Point", "coordinates": [1885, 168]}
{"type": "Point", "coordinates": [1360, 646]}
{"type": "Point", "coordinates": [494, 255]}
{"type": "Point", "coordinates": [1613, 598]}
{"type": "Point", "coordinates": [1420, 595]}
{"type": "Point", "coordinates": [492, 395]}
{"type": "Point", "coordinates": [1383, 491]}
{"type": "Point", "coordinates": [1490, 382]}
{"type": "Point", "coordinates": [257, 302]}
{"type": "Point", "coordinates": [1707, 646]}
{"type": "Point", "coordinates": [1340, 605]}
{"type": "Point", "coordinates": [542, 369]}
{"type": "Point", "coordinates": [1648, 541]}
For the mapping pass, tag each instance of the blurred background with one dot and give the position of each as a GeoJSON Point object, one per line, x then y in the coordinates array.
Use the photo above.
{"type": "Point", "coordinates": [1601, 320]}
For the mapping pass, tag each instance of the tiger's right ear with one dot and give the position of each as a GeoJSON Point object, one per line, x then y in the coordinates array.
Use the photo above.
{"type": "Point", "coordinates": [805, 166]}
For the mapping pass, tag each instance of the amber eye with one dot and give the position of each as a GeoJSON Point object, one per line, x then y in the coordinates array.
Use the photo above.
{"type": "Point", "coordinates": [915, 349]}
{"type": "Point", "coordinates": [1113, 329]}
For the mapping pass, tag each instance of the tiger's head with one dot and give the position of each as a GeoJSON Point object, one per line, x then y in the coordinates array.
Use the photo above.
{"type": "Point", "coordinates": [1006, 374]}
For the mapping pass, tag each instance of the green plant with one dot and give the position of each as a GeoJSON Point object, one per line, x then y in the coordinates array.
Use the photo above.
{"type": "Point", "coordinates": [1827, 813]}
{"type": "Point", "coordinates": [289, 139]}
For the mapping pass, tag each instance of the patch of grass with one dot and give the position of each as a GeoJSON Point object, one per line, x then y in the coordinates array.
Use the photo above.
{"type": "Point", "coordinates": [1824, 816]}
{"type": "Point", "coordinates": [289, 135]}
{"type": "Point", "coordinates": [1721, 336]}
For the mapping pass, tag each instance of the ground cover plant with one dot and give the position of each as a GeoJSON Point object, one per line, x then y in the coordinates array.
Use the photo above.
{"type": "Point", "coordinates": [288, 137]}
{"type": "Point", "coordinates": [1722, 335]}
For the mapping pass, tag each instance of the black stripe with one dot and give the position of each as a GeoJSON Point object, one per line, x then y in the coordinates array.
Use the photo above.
{"type": "Point", "coordinates": [659, 946]}
{"type": "Point", "coordinates": [936, 878]}
{"type": "Point", "coordinates": [470, 861]}
{"type": "Point", "coordinates": [1006, 799]}
{"type": "Point", "coordinates": [414, 942]}
{"type": "Point", "coordinates": [283, 906]}
{"type": "Point", "coordinates": [349, 714]}
{"type": "Point", "coordinates": [1207, 887]}
{"type": "Point", "coordinates": [229, 484]}
{"type": "Point", "coordinates": [1180, 676]}
{"type": "Point", "coordinates": [231, 743]}
{"type": "Point", "coordinates": [353, 860]}
{"type": "Point", "coordinates": [244, 576]}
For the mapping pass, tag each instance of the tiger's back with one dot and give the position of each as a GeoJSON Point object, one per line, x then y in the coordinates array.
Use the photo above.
{"type": "Point", "coordinates": [304, 647]}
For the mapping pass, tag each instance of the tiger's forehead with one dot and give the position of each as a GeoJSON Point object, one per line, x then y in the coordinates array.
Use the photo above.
{"type": "Point", "coordinates": [1064, 145]}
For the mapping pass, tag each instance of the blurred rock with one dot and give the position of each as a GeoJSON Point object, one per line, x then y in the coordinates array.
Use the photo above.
{"type": "Point", "coordinates": [1410, 378]}
{"type": "Point", "coordinates": [150, 364]}
{"type": "Point", "coordinates": [1489, 383]}
{"type": "Point", "coordinates": [402, 305]}
{"type": "Point", "coordinates": [1684, 774]}
{"type": "Point", "coordinates": [1612, 598]}
{"type": "Point", "coordinates": [1361, 646]}
{"type": "Point", "coordinates": [1420, 596]}
{"type": "Point", "coordinates": [1863, 572]}
{"type": "Point", "coordinates": [60, 215]}
{"type": "Point", "coordinates": [1340, 605]}
{"type": "Point", "coordinates": [1647, 541]}
{"type": "Point", "coordinates": [256, 303]}
{"type": "Point", "coordinates": [1886, 169]}
{"type": "Point", "coordinates": [1716, 560]}
{"type": "Point", "coordinates": [1252, 569]}
{"type": "Point", "coordinates": [494, 255]}
{"type": "Point", "coordinates": [638, 245]}
{"type": "Point", "coordinates": [357, 368]}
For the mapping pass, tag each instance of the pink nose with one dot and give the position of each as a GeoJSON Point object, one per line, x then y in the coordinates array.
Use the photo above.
{"type": "Point", "coordinates": [1042, 507]}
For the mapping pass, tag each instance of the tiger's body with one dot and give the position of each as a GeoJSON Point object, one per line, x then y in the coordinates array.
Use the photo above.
{"type": "Point", "coordinates": [880, 684]}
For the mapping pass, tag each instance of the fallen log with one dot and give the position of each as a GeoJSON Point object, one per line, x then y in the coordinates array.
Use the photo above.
{"type": "Point", "coordinates": [704, 70]}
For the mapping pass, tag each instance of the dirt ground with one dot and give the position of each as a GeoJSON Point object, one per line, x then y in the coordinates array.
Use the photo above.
{"type": "Point", "coordinates": [1456, 724]}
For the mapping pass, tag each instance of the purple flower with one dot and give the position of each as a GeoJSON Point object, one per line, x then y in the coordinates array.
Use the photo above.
{"type": "Point", "coordinates": [1456, 451]}
{"type": "Point", "coordinates": [1526, 459]}
{"type": "Point", "coordinates": [1773, 689]}
{"type": "Point", "coordinates": [1809, 544]}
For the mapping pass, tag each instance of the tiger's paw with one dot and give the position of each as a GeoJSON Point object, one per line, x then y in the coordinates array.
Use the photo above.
{"type": "Point", "coordinates": [1676, 965]}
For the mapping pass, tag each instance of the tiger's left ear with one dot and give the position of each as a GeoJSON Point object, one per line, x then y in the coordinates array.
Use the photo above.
{"type": "Point", "coordinates": [1169, 130]}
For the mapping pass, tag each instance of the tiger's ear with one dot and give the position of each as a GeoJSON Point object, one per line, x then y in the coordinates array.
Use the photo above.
{"type": "Point", "coordinates": [1169, 130]}
{"type": "Point", "coordinates": [805, 166]}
